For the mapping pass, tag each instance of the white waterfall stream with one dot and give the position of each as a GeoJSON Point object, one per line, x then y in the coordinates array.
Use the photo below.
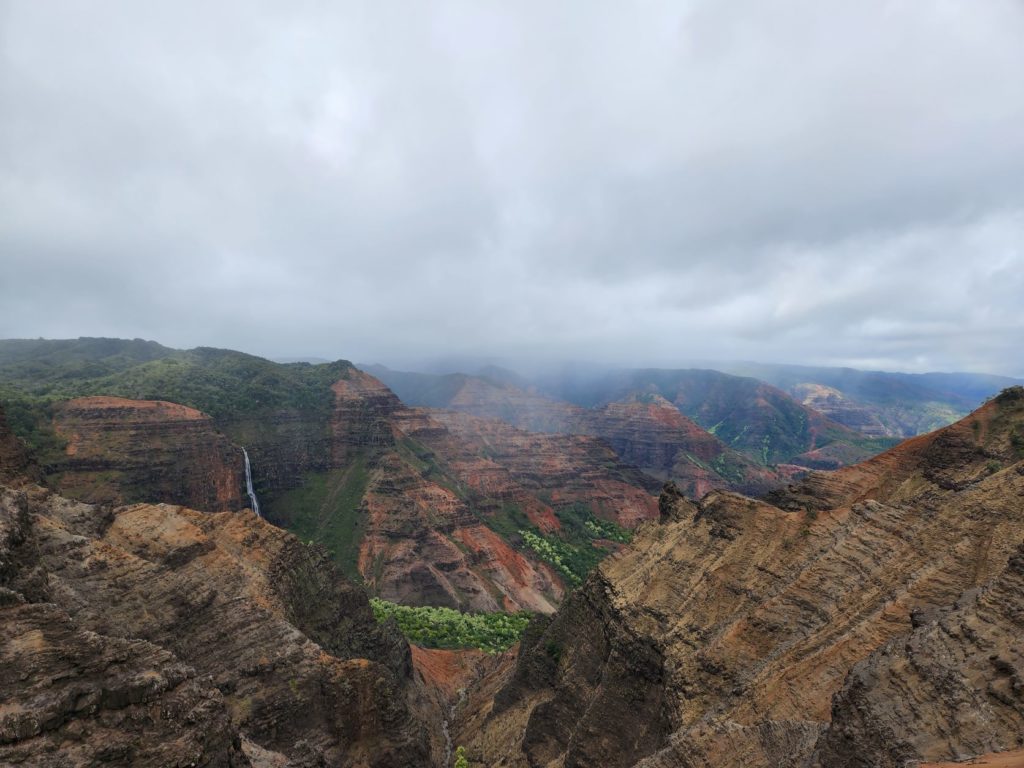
{"type": "Point", "coordinates": [248, 484]}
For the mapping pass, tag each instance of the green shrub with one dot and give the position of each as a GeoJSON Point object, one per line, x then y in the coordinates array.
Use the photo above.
{"type": "Point", "coordinates": [438, 627]}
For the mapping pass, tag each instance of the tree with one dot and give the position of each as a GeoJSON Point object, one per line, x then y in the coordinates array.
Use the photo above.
{"type": "Point", "coordinates": [460, 758]}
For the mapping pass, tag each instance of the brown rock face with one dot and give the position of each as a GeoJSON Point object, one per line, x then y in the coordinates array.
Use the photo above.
{"type": "Point", "coordinates": [421, 498]}
{"type": "Point", "coordinates": [14, 459]}
{"type": "Point", "coordinates": [722, 636]}
{"type": "Point", "coordinates": [961, 670]}
{"type": "Point", "coordinates": [145, 631]}
{"type": "Point", "coordinates": [75, 698]}
{"type": "Point", "coordinates": [506, 464]}
{"type": "Point", "coordinates": [121, 451]}
{"type": "Point", "coordinates": [649, 432]}
{"type": "Point", "coordinates": [645, 430]}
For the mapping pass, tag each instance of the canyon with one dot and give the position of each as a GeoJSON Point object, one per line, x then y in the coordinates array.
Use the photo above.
{"type": "Point", "coordinates": [420, 506]}
{"type": "Point", "coordinates": [643, 428]}
{"type": "Point", "coordinates": [865, 617]}
{"type": "Point", "coordinates": [869, 615]}
{"type": "Point", "coordinates": [156, 635]}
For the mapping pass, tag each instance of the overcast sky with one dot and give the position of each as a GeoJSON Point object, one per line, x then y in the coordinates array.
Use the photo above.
{"type": "Point", "coordinates": [813, 181]}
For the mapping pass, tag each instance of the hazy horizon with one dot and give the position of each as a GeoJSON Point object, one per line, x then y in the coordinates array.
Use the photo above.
{"type": "Point", "coordinates": [533, 367]}
{"type": "Point", "coordinates": [815, 183]}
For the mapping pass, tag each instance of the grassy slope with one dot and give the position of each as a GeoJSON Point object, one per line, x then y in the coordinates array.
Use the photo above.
{"type": "Point", "coordinates": [325, 509]}
{"type": "Point", "coordinates": [229, 386]}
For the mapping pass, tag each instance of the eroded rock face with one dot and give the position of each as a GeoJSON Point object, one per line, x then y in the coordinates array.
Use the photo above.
{"type": "Point", "coordinates": [722, 636]}
{"type": "Point", "coordinates": [120, 451]}
{"type": "Point", "coordinates": [14, 458]}
{"type": "Point", "coordinates": [952, 689]}
{"type": "Point", "coordinates": [75, 698]}
{"type": "Point", "coordinates": [650, 432]}
{"type": "Point", "coordinates": [213, 635]}
{"type": "Point", "coordinates": [644, 429]}
{"type": "Point", "coordinates": [432, 484]}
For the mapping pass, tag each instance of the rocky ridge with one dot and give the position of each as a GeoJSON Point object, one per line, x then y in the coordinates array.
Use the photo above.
{"type": "Point", "coordinates": [643, 428]}
{"type": "Point", "coordinates": [154, 634]}
{"type": "Point", "coordinates": [121, 451]}
{"type": "Point", "coordinates": [727, 634]}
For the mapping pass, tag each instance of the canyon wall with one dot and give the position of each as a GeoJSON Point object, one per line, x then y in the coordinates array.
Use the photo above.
{"type": "Point", "coordinates": [729, 633]}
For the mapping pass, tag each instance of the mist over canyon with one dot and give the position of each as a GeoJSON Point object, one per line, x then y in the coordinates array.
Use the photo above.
{"type": "Point", "coordinates": [511, 385]}
{"type": "Point", "coordinates": [506, 565]}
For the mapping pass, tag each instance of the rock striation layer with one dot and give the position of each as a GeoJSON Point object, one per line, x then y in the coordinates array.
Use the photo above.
{"type": "Point", "coordinates": [120, 451]}
{"type": "Point", "coordinates": [741, 633]}
{"type": "Point", "coordinates": [642, 427]}
{"type": "Point", "coordinates": [154, 634]}
{"type": "Point", "coordinates": [432, 489]}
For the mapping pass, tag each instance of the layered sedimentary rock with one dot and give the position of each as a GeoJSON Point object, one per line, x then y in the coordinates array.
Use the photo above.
{"type": "Point", "coordinates": [119, 451]}
{"type": "Point", "coordinates": [651, 433]}
{"type": "Point", "coordinates": [643, 428]}
{"type": "Point", "coordinates": [540, 472]}
{"type": "Point", "coordinates": [154, 634]}
{"type": "Point", "coordinates": [952, 689]}
{"type": "Point", "coordinates": [722, 636]}
{"type": "Point", "coordinates": [14, 458]}
{"type": "Point", "coordinates": [832, 403]}
{"type": "Point", "coordinates": [434, 484]}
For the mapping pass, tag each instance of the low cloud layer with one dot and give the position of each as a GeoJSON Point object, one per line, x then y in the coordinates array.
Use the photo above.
{"type": "Point", "coordinates": [810, 181]}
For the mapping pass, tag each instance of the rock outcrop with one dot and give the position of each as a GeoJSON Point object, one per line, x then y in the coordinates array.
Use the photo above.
{"type": "Point", "coordinates": [122, 451]}
{"type": "Point", "coordinates": [15, 462]}
{"type": "Point", "coordinates": [721, 637]}
{"type": "Point", "coordinates": [435, 491]}
{"type": "Point", "coordinates": [951, 690]}
{"type": "Point", "coordinates": [643, 428]}
{"type": "Point", "coordinates": [154, 634]}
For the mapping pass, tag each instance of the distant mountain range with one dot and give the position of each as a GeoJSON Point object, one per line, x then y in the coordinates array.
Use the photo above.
{"type": "Point", "coordinates": [485, 491]}
{"type": "Point", "coordinates": [866, 616]}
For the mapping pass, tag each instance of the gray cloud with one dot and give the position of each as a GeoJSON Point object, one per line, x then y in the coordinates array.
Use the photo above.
{"type": "Point", "coordinates": [795, 181]}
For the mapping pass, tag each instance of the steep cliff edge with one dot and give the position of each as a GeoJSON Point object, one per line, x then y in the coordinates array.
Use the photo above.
{"type": "Point", "coordinates": [720, 638]}
{"type": "Point", "coordinates": [120, 451]}
{"type": "Point", "coordinates": [952, 689]}
{"type": "Point", "coordinates": [149, 630]}
{"type": "Point", "coordinates": [642, 427]}
{"type": "Point", "coordinates": [426, 506]}
{"type": "Point", "coordinates": [15, 462]}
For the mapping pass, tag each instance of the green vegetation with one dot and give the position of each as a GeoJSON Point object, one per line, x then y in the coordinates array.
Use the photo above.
{"type": "Point", "coordinates": [574, 550]}
{"type": "Point", "coordinates": [325, 509]}
{"type": "Point", "coordinates": [222, 383]}
{"type": "Point", "coordinates": [227, 385]}
{"type": "Point", "coordinates": [460, 758]}
{"type": "Point", "coordinates": [1017, 441]}
{"type": "Point", "coordinates": [434, 627]}
{"type": "Point", "coordinates": [605, 529]}
{"type": "Point", "coordinates": [557, 553]}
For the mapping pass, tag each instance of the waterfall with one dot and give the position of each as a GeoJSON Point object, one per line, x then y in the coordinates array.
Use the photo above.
{"type": "Point", "coordinates": [248, 485]}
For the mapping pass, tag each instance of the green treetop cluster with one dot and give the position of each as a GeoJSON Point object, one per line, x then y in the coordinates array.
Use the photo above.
{"type": "Point", "coordinates": [436, 627]}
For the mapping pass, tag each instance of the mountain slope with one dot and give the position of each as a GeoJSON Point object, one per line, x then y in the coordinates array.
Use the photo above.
{"type": "Point", "coordinates": [146, 635]}
{"type": "Point", "coordinates": [420, 512]}
{"type": "Point", "coordinates": [748, 415]}
{"type": "Point", "coordinates": [644, 429]}
{"type": "Point", "coordinates": [880, 403]}
{"type": "Point", "coordinates": [722, 635]}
